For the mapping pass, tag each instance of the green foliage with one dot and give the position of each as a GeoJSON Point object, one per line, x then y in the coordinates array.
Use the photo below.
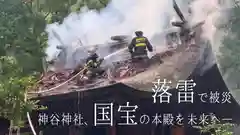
{"type": "Point", "coordinates": [97, 4]}
{"type": "Point", "coordinates": [230, 56]}
{"type": "Point", "coordinates": [57, 10]}
{"type": "Point", "coordinates": [13, 87]}
{"type": "Point", "coordinates": [218, 129]}
{"type": "Point", "coordinates": [22, 34]}
{"type": "Point", "coordinates": [22, 45]}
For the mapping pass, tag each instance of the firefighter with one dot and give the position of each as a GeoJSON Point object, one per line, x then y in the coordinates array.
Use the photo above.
{"type": "Point", "coordinates": [139, 46]}
{"type": "Point", "coordinates": [92, 64]}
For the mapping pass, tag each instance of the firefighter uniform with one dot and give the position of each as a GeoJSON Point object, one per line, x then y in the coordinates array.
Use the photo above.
{"type": "Point", "coordinates": [139, 46]}
{"type": "Point", "coordinates": [93, 65]}
{"type": "Point", "coordinates": [91, 61]}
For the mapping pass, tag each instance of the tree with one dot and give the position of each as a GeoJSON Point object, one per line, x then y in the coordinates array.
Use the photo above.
{"type": "Point", "coordinates": [22, 34]}
{"type": "Point", "coordinates": [13, 87]}
{"type": "Point", "coordinates": [230, 56]}
{"type": "Point", "coordinates": [57, 10]}
{"type": "Point", "coordinates": [22, 46]}
{"type": "Point", "coordinates": [217, 129]}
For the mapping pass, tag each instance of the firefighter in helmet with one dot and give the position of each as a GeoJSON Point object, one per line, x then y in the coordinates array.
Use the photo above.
{"type": "Point", "coordinates": [92, 64]}
{"type": "Point", "coordinates": [139, 46]}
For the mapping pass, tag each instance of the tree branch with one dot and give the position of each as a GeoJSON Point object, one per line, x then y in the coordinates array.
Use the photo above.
{"type": "Point", "coordinates": [46, 15]}
{"type": "Point", "coordinates": [29, 8]}
{"type": "Point", "coordinates": [105, 4]}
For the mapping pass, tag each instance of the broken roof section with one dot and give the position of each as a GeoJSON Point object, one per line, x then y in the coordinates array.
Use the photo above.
{"type": "Point", "coordinates": [177, 64]}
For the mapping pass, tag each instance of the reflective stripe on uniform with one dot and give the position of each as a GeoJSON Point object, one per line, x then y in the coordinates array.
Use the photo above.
{"type": "Point", "coordinates": [89, 62]}
{"type": "Point", "coordinates": [92, 64]}
{"type": "Point", "coordinates": [140, 44]}
{"type": "Point", "coordinates": [140, 39]}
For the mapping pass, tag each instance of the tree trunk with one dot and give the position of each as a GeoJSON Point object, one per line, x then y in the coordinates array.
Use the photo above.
{"type": "Point", "coordinates": [10, 131]}
{"type": "Point", "coordinates": [18, 131]}
{"type": "Point", "coordinates": [10, 128]}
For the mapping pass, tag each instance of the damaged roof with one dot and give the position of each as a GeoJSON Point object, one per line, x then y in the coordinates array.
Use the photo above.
{"type": "Point", "coordinates": [176, 65]}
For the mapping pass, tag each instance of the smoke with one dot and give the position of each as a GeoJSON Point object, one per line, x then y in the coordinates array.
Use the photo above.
{"type": "Point", "coordinates": [214, 12]}
{"type": "Point", "coordinates": [123, 17]}
{"type": "Point", "coordinates": [120, 17]}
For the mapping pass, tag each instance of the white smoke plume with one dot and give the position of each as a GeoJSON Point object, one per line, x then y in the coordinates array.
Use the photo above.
{"type": "Point", "coordinates": [215, 13]}
{"type": "Point", "coordinates": [118, 18]}
{"type": "Point", "coordinates": [123, 17]}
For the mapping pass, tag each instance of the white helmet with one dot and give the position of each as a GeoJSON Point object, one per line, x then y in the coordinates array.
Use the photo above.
{"type": "Point", "coordinates": [92, 50]}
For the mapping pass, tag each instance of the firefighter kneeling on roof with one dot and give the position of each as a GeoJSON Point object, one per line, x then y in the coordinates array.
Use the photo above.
{"type": "Point", "coordinates": [138, 47]}
{"type": "Point", "coordinates": [92, 65]}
